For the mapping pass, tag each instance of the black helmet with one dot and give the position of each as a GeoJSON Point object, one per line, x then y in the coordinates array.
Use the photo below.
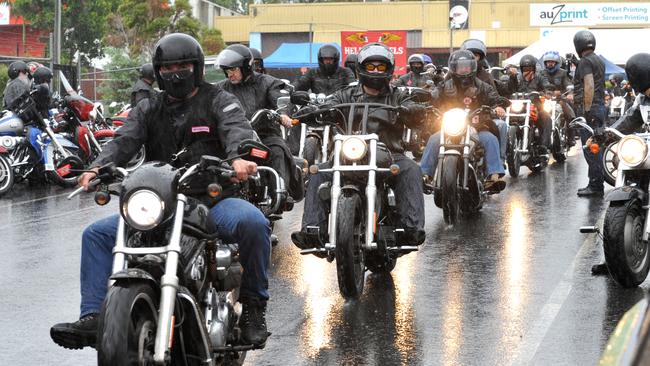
{"type": "Point", "coordinates": [528, 61]}
{"type": "Point", "coordinates": [475, 46]}
{"type": "Point", "coordinates": [328, 51]}
{"type": "Point", "coordinates": [413, 59]}
{"type": "Point", "coordinates": [351, 61]}
{"type": "Point", "coordinates": [236, 55]}
{"type": "Point", "coordinates": [584, 40]}
{"type": "Point", "coordinates": [637, 69]}
{"type": "Point", "coordinates": [375, 52]}
{"type": "Point", "coordinates": [42, 75]}
{"type": "Point", "coordinates": [146, 72]}
{"type": "Point", "coordinates": [258, 61]}
{"type": "Point", "coordinates": [462, 64]}
{"type": "Point", "coordinates": [178, 48]}
{"type": "Point", "coordinates": [15, 68]}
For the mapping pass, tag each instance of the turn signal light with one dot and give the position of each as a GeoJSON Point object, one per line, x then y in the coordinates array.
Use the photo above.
{"type": "Point", "coordinates": [295, 122]}
{"type": "Point", "coordinates": [394, 169]}
{"type": "Point", "coordinates": [594, 148]}
{"type": "Point", "coordinates": [214, 190]}
{"type": "Point", "coordinates": [102, 198]}
{"type": "Point", "coordinates": [313, 169]}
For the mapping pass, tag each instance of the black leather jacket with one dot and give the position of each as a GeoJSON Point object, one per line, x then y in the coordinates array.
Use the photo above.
{"type": "Point", "coordinates": [413, 79]}
{"type": "Point", "coordinates": [318, 82]}
{"type": "Point", "coordinates": [537, 83]}
{"type": "Point", "coordinates": [632, 121]}
{"type": "Point", "coordinates": [141, 90]}
{"type": "Point", "coordinates": [388, 125]}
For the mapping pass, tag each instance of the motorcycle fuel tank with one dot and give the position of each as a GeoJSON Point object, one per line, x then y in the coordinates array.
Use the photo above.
{"type": "Point", "coordinates": [11, 124]}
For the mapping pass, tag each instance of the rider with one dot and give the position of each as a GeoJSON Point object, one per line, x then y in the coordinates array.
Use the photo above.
{"type": "Point", "coordinates": [504, 88]}
{"type": "Point", "coordinates": [560, 82]}
{"type": "Point", "coordinates": [19, 84]}
{"type": "Point", "coordinates": [260, 91]}
{"type": "Point", "coordinates": [375, 66]}
{"type": "Point", "coordinates": [637, 69]}
{"type": "Point", "coordinates": [529, 80]}
{"type": "Point", "coordinates": [328, 77]}
{"type": "Point", "coordinates": [616, 90]}
{"type": "Point", "coordinates": [143, 88]}
{"type": "Point", "coordinates": [203, 120]}
{"type": "Point", "coordinates": [589, 82]}
{"type": "Point", "coordinates": [351, 63]}
{"type": "Point", "coordinates": [464, 84]}
{"type": "Point", "coordinates": [42, 76]}
{"type": "Point", "coordinates": [258, 61]}
{"type": "Point", "coordinates": [416, 77]}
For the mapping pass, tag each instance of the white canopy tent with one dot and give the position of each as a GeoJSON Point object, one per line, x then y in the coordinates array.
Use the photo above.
{"type": "Point", "coordinates": [617, 45]}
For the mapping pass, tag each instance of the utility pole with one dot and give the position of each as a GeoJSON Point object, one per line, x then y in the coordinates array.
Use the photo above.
{"type": "Point", "coordinates": [451, 35]}
{"type": "Point", "coordinates": [56, 50]}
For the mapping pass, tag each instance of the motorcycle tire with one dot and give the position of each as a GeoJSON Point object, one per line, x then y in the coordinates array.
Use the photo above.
{"type": "Point", "coordinates": [350, 230]}
{"type": "Point", "coordinates": [6, 175]}
{"type": "Point", "coordinates": [127, 325]}
{"type": "Point", "coordinates": [610, 164]}
{"type": "Point", "coordinates": [558, 147]}
{"type": "Point", "coordinates": [312, 151]}
{"type": "Point", "coordinates": [450, 197]}
{"type": "Point", "coordinates": [513, 157]}
{"type": "Point", "coordinates": [626, 254]}
{"type": "Point", "coordinates": [54, 177]}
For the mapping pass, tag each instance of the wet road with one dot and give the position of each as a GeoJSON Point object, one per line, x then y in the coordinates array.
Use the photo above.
{"type": "Point", "coordinates": [511, 286]}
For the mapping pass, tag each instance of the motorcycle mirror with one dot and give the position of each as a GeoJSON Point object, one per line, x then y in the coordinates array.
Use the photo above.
{"type": "Point", "coordinates": [254, 151]}
{"type": "Point", "coordinates": [300, 98]}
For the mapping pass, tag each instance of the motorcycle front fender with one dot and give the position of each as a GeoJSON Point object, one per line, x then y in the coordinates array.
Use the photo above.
{"type": "Point", "coordinates": [134, 274]}
{"type": "Point", "coordinates": [625, 193]}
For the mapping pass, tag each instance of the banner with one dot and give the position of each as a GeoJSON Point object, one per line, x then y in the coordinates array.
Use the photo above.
{"type": "Point", "coordinates": [351, 43]}
{"type": "Point", "coordinates": [458, 14]}
{"type": "Point", "coordinates": [4, 14]}
{"type": "Point", "coordinates": [588, 14]}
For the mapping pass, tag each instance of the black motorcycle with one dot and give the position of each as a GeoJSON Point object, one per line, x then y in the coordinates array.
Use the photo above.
{"type": "Point", "coordinates": [364, 231]}
{"type": "Point", "coordinates": [524, 140]}
{"type": "Point", "coordinates": [174, 289]}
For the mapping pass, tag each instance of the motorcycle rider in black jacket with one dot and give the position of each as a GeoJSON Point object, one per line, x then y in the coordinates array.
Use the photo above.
{"type": "Point", "coordinates": [375, 66]}
{"type": "Point", "coordinates": [19, 84]}
{"type": "Point", "coordinates": [416, 77]}
{"type": "Point", "coordinates": [260, 91]}
{"type": "Point", "coordinates": [143, 88]}
{"type": "Point", "coordinates": [190, 118]}
{"type": "Point", "coordinates": [258, 61]}
{"type": "Point", "coordinates": [329, 76]}
{"type": "Point", "coordinates": [637, 69]}
{"type": "Point", "coordinates": [530, 80]}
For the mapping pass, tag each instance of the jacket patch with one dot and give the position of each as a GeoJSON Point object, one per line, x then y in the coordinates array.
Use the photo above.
{"type": "Point", "coordinates": [197, 129]}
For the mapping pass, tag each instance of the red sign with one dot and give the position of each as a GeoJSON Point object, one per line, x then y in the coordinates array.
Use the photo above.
{"type": "Point", "coordinates": [351, 43]}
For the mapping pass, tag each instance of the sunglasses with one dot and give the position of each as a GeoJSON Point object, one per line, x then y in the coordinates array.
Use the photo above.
{"type": "Point", "coordinates": [373, 67]}
{"type": "Point", "coordinates": [176, 75]}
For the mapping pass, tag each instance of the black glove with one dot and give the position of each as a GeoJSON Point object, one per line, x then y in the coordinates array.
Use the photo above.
{"type": "Point", "coordinates": [599, 135]}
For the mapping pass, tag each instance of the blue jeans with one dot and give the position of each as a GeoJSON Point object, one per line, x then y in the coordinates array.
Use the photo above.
{"type": "Point", "coordinates": [503, 137]}
{"type": "Point", "coordinates": [236, 221]}
{"type": "Point", "coordinates": [494, 165]}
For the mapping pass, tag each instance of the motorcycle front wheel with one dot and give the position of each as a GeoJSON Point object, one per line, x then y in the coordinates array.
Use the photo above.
{"type": "Point", "coordinates": [450, 197]}
{"type": "Point", "coordinates": [513, 156]}
{"type": "Point", "coordinates": [6, 175]}
{"type": "Point", "coordinates": [350, 229]}
{"type": "Point", "coordinates": [127, 325]}
{"type": "Point", "coordinates": [610, 163]}
{"type": "Point", "coordinates": [626, 253]}
{"type": "Point", "coordinates": [312, 151]}
{"type": "Point", "coordinates": [557, 149]}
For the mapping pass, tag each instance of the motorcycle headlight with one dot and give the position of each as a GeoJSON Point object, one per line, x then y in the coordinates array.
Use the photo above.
{"type": "Point", "coordinates": [354, 148]}
{"type": "Point", "coordinates": [516, 106]}
{"type": "Point", "coordinates": [93, 114]}
{"type": "Point", "coordinates": [632, 150]}
{"type": "Point", "coordinates": [143, 210]}
{"type": "Point", "coordinates": [454, 122]}
{"type": "Point", "coordinates": [549, 106]}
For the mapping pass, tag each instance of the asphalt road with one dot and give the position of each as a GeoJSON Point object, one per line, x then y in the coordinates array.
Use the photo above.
{"type": "Point", "coordinates": [511, 286]}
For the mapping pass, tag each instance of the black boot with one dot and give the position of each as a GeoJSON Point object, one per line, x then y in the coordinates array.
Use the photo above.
{"type": "Point", "coordinates": [253, 321]}
{"type": "Point", "coordinates": [599, 269]}
{"type": "Point", "coordinates": [77, 335]}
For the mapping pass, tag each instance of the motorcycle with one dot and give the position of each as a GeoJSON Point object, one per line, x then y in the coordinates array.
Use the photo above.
{"type": "Point", "coordinates": [415, 140]}
{"type": "Point", "coordinates": [524, 146]}
{"type": "Point", "coordinates": [315, 140]}
{"type": "Point", "coordinates": [174, 289]}
{"type": "Point", "coordinates": [626, 229]}
{"type": "Point", "coordinates": [559, 129]}
{"type": "Point", "coordinates": [459, 178]}
{"type": "Point", "coordinates": [31, 147]}
{"type": "Point", "coordinates": [364, 231]}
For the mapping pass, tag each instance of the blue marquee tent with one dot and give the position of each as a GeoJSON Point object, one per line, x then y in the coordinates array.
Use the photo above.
{"type": "Point", "coordinates": [611, 68]}
{"type": "Point", "coordinates": [295, 55]}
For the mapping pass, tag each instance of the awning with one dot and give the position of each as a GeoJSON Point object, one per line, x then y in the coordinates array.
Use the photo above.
{"type": "Point", "coordinates": [295, 55]}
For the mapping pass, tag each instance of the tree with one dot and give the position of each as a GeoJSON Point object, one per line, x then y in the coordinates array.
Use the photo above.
{"type": "Point", "coordinates": [118, 87]}
{"type": "Point", "coordinates": [4, 78]}
{"type": "Point", "coordinates": [212, 41]}
{"type": "Point", "coordinates": [83, 23]}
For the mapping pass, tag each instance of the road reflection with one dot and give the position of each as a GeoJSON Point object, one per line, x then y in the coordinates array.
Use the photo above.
{"type": "Point", "coordinates": [452, 328]}
{"type": "Point", "coordinates": [516, 269]}
{"type": "Point", "coordinates": [404, 278]}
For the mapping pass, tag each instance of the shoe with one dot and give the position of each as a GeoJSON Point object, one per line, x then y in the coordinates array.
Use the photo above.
{"type": "Point", "coordinates": [252, 322]}
{"type": "Point", "coordinates": [599, 269]}
{"type": "Point", "coordinates": [495, 184]}
{"type": "Point", "coordinates": [300, 239]}
{"type": "Point", "coordinates": [583, 189]}
{"type": "Point", "coordinates": [412, 237]}
{"type": "Point", "coordinates": [77, 335]}
{"type": "Point", "coordinates": [591, 192]}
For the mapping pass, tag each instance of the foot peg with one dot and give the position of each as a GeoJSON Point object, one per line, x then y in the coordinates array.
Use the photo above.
{"type": "Point", "coordinates": [589, 229]}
